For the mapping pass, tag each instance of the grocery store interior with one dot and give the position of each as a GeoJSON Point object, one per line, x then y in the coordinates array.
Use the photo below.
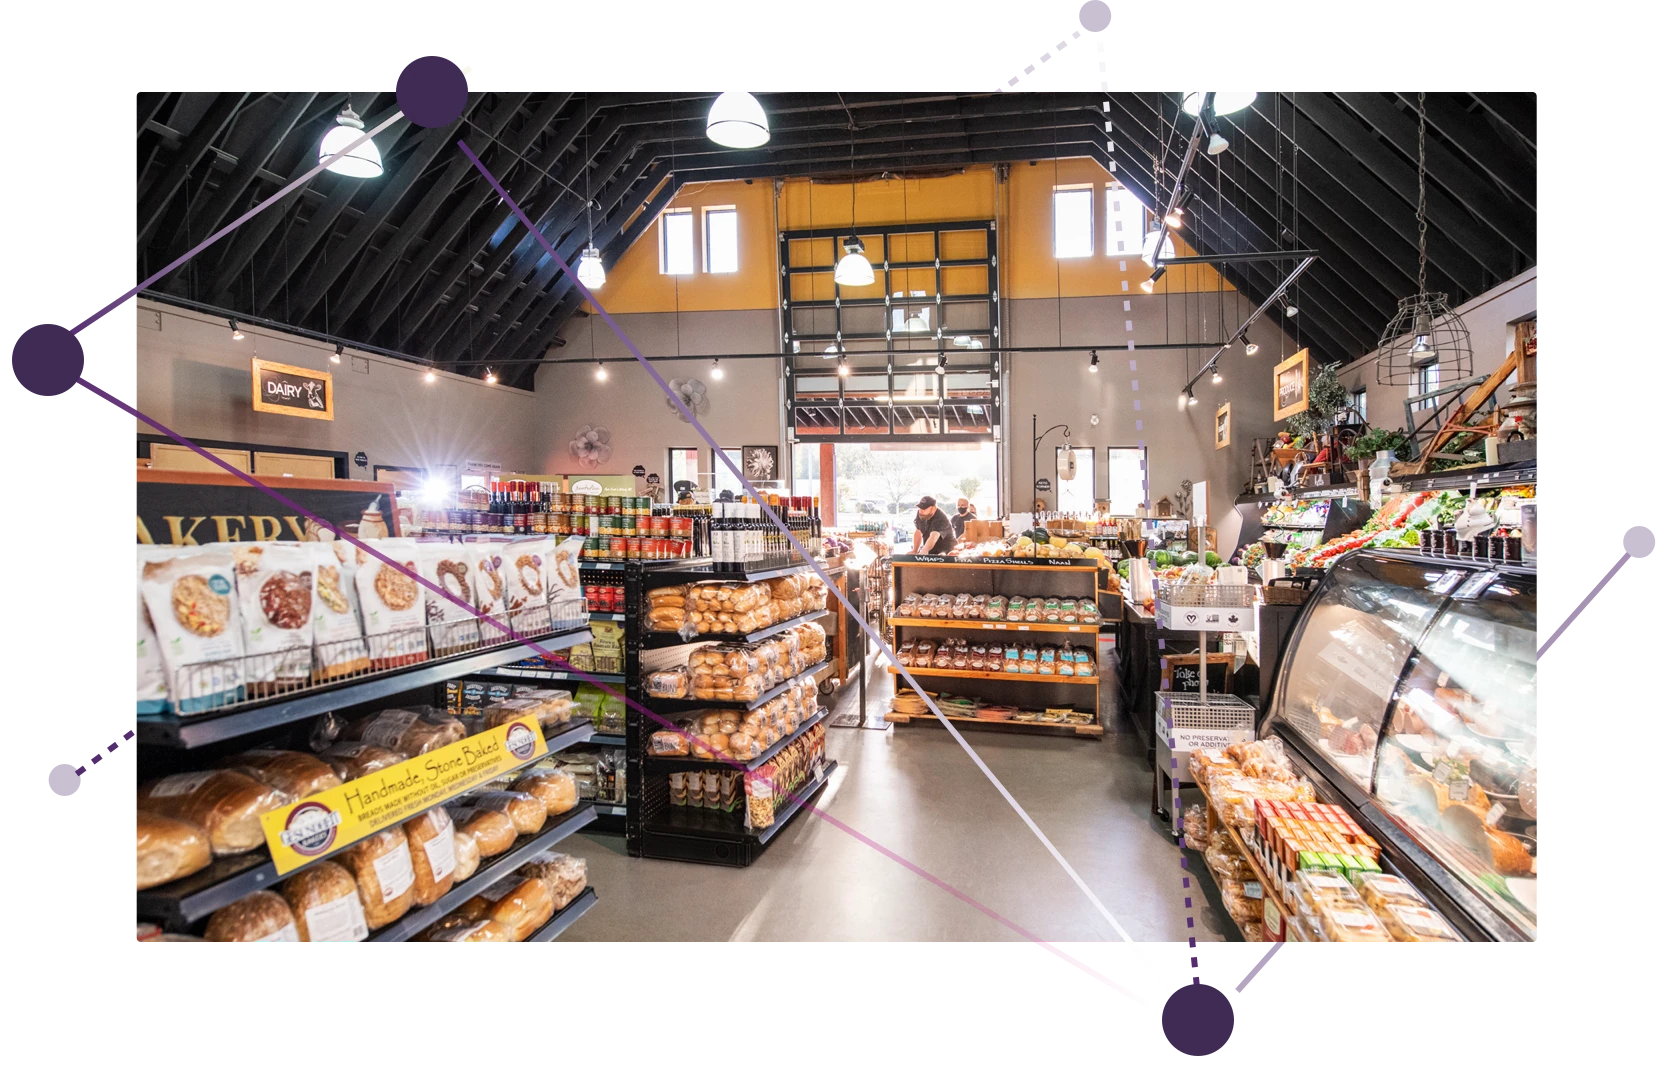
{"type": "Point", "coordinates": [799, 516]}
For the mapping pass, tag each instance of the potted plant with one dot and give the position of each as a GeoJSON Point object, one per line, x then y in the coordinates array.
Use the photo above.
{"type": "Point", "coordinates": [1369, 445]}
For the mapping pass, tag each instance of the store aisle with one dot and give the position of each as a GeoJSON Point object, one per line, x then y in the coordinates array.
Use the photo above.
{"type": "Point", "coordinates": [914, 791]}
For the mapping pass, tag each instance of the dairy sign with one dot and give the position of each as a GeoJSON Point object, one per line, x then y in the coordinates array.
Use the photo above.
{"type": "Point", "coordinates": [280, 389]}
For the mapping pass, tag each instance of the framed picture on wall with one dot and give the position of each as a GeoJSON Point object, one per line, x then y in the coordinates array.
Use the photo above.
{"type": "Point", "coordinates": [759, 462]}
{"type": "Point", "coordinates": [1291, 382]}
{"type": "Point", "coordinates": [1221, 426]}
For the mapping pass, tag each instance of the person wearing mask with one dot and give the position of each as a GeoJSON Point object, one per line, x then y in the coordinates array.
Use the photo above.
{"type": "Point", "coordinates": [933, 534]}
{"type": "Point", "coordinates": [963, 512]}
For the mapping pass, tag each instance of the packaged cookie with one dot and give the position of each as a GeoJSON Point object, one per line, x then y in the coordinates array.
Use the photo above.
{"type": "Point", "coordinates": [393, 604]}
{"type": "Point", "coordinates": [276, 585]}
{"type": "Point", "coordinates": [1015, 610]}
{"type": "Point", "coordinates": [337, 624]}
{"type": "Point", "coordinates": [453, 625]}
{"type": "Point", "coordinates": [995, 608]}
{"type": "Point", "coordinates": [191, 597]}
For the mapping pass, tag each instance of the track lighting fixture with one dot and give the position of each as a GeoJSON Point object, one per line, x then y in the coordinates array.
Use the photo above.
{"type": "Point", "coordinates": [1149, 284]}
{"type": "Point", "coordinates": [430, 376]}
{"type": "Point", "coordinates": [489, 375]}
{"type": "Point", "coordinates": [942, 363]}
{"type": "Point", "coordinates": [1216, 379]}
{"type": "Point", "coordinates": [1192, 399]}
{"type": "Point", "coordinates": [1184, 396]}
{"type": "Point", "coordinates": [1249, 347]}
{"type": "Point", "coordinates": [844, 368]}
{"type": "Point", "coordinates": [1292, 311]}
{"type": "Point", "coordinates": [718, 372]}
{"type": "Point", "coordinates": [1092, 365]}
{"type": "Point", "coordinates": [1216, 143]}
{"type": "Point", "coordinates": [235, 331]}
{"type": "Point", "coordinates": [338, 352]}
{"type": "Point", "coordinates": [601, 374]}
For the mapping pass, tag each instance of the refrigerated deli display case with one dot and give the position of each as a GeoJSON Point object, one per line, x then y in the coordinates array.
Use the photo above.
{"type": "Point", "coordinates": [1408, 693]}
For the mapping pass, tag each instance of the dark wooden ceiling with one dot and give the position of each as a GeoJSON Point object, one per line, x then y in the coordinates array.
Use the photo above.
{"type": "Point", "coordinates": [426, 260]}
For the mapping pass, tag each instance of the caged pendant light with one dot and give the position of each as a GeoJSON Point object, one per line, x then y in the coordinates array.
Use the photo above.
{"type": "Point", "coordinates": [1426, 330]}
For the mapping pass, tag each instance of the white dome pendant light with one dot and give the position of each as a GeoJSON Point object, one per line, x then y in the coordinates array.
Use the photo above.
{"type": "Point", "coordinates": [363, 161]}
{"type": "Point", "coordinates": [737, 121]}
{"type": "Point", "coordinates": [853, 269]}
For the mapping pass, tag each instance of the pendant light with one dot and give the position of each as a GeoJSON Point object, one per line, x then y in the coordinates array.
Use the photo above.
{"type": "Point", "coordinates": [590, 270]}
{"type": "Point", "coordinates": [338, 353]}
{"type": "Point", "coordinates": [853, 269]}
{"type": "Point", "coordinates": [1223, 103]}
{"type": "Point", "coordinates": [737, 121]}
{"type": "Point", "coordinates": [363, 161]}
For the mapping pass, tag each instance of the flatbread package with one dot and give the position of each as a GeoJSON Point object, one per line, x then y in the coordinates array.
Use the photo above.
{"type": "Point", "coordinates": [191, 597]}
{"type": "Point", "coordinates": [276, 584]}
{"type": "Point", "coordinates": [563, 583]}
{"type": "Point", "coordinates": [489, 588]}
{"type": "Point", "coordinates": [340, 648]}
{"type": "Point", "coordinates": [453, 628]}
{"type": "Point", "coordinates": [529, 563]}
{"type": "Point", "coordinates": [393, 604]}
{"type": "Point", "coordinates": [152, 674]}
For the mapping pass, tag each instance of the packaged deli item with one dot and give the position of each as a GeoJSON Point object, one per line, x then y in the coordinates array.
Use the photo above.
{"type": "Point", "coordinates": [152, 674]}
{"type": "Point", "coordinates": [353, 760]}
{"type": "Point", "coordinates": [553, 787]}
{"type": "Point", "coordinates": [492, 830]}
{"type": "Point", "coordinates": [1412, 923]}
{"type": "Point", "coordinates": [325, 903]}
{"type": "Point", "coordinates": [1379, 890]}
{"type": "Point", "coordinates": [226, 804]}
{"type": "Point", "coordinates": [410, 731]}
{"type": "Point", "coordinates": [169, 849]}
{"type": "Point", "coordinates": [453, 625]}
{"type": "Point", "coordinates": [466, 855]}
{"type": "Point", "coordinates": [261, 916]}
{"type": "Point", "coordinates": [1347, 922]}
{"type": "Point", "coordinates": [565, 875]}
{"type": "Point", "coordinates": [384, 871]}
{"type": "Point", "coordinates": [524, 809]}
{"type": "Point", "coordinates": [296, 774]}
{"type": "Point", "coordinates": [191, 597]}
{"type": "Point", "coordinates": [461, 929]}
{"type": "Point", "coordinates": [341, 650]}
{"type": "Point", "coordinates": [521, 904]}
{"type": "Point", "coordinates": [276, 584]}
{"type": "Point", "coordinates": [393, 604]}
{"type": "Point", "coordinates": [431, 846]}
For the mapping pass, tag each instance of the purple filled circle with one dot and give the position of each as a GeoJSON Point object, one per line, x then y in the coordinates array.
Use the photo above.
{"type": "Point", "coordinates": [47, 359]}
{"type": "Point", "coordinates": [1095, 15]}
{"type": "Point", "coordinates": [63, 780]}
{"type": "Point", "coordinates": [1639, 542]}
{"type": "Point", "coordinates": [431, 91]}
{"type": "Point", "coordinates": [1198, 1020]}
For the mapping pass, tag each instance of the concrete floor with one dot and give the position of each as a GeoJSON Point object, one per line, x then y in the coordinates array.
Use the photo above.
{"type": "Point", "coordinates": [913, 790]}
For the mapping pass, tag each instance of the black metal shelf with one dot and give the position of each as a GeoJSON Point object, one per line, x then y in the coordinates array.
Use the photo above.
{"type": "Point", "coordinates": [703, 571]}
{"type": "Point", "coordinates": [999, 561]}
{"type": "Point", "coordinates": [607, 739]}
{"type": "Point", "coordinates": [509, 672]}
{"type": "Point", "coordinates": [609, 808]}
{"type": "Point", "coordinates": [612, 617]}
{"type": "Point", "coordinates": [488, 873]}
{"type": "Point", "coordinates": [672, 706]}
{"type": "Point", "coordinates": [184, 901]}
{"type": "Point", "coordinates": [696, 823]}
{"type": "Point", "coordinates": [647, 565]}
{"type": "Point", "coordinates": [564, 917]}
{"type": "Point", "coordinates": [1495, 476]}
{"type": "Point", "coordinates": [656, 640]}
{"type": "Point", "coordinates": [691, 763]}
{"type": "Point", "coordinates": [191, 732]}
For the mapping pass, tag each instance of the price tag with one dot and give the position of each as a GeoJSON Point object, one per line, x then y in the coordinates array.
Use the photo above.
{"type": "Point", "coordinates": [1493, 816]}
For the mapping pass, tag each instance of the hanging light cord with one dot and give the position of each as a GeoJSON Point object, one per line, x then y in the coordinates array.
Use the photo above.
{"type": "Point", "coordinates": [1420, 210]}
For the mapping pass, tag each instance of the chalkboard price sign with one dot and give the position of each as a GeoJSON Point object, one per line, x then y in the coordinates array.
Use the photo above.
{"type": "Point", "coordinates": [1183, 674]}
{"type": "Point", "coordinates": [280, 389]}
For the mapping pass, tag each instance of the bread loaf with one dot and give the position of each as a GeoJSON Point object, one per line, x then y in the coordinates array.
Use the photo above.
{"type": "Point", "coordinates": [169, 849]}
{"type": "Point", "coordinates": [431, 845]}
{"type": "Point", "coordinates": [353, 760]}
{"type": "Point", "coordinates": [226, 804]}
{"type": "Point", "coordinates": [411, 732]}
{"type": "Point", "coordinates": [299, 775]}
{"type": "Point", "coordinates": [528, 815]}
{"type": "Point", "coordinates": [552, 787]}
{"type": "Point", "coordinates": [325, 904]}
{"type": "Point", "coordinates": [492, 830]}
{"type": "Point", "coordinates": [259, 917]}
{"type": "Point", "coordinates": [384, 873]}
{"type": "Point", "coordinates": [564, 875]}
{"type": "Point", "coordinates": [466, 855]}
{"type": "Point", "coordinates": [460, 929]}
{"type": "Point", "coordinates": [520, 904]}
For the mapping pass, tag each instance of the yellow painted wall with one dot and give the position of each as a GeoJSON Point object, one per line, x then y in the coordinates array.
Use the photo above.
{"type": "Point", "coordinates": [1023, 204]}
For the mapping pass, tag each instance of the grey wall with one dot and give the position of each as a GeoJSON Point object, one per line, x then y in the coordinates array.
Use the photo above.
{"type": "Point", "coordinates": [1136, 394]}
{"type": "Point", "coordinates": [193, 378]}
{"type": "Point", "coordinates": [745, 406]}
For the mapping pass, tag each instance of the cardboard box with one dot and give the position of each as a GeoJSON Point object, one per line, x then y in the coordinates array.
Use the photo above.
{"type": "Point", "coordinates": [982, 530]}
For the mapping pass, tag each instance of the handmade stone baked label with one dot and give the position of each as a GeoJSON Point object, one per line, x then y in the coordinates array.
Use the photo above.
{"type": "Point", "coordinates": [395, 871]}
{"type": "Point", "coordinates": [380, 799]}
{"type": "Point", "coordinates": [440, 854]}
{"type": "Point", "coordinates": [340, 920]}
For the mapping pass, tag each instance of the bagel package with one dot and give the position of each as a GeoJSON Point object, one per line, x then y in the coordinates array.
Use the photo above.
{"type": "Point", "coordinates": [191, 597]}
{"type": "Point", "coordinates": [453, 626]}
{"type": "Point", "coordinates": [276, 584]}
{"type": "Point", "coordinates": [393, 604]}
{"type": "Point", "coordinates": [340, 648]}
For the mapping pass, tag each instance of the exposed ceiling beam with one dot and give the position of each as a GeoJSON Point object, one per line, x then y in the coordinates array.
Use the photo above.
{"type": "Point", "coordinates": [1515, 111]}
{"type": "Point", "coordinates": [252, 160]}
{"type": "Point", "coordinates": [201, 139]}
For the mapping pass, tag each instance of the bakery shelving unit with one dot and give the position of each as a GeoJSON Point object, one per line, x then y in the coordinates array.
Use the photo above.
{"type": "Point", "coordinates": [656, 829]}
{"type": "Point", "coordinates": [168, 743]}
{"type": "Point", "coordinates": [1034, 577]}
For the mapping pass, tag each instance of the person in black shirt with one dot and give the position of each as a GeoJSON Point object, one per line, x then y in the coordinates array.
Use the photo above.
{"type": "Point", "coordinates": [933, 534]}
{"type": "Point", "coordinates": [963, 512]}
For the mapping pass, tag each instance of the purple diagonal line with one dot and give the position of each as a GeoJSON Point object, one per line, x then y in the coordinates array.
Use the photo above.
{"type": "Point", "coordinates": [280, 193]}
{"type": "Point", "coordinates": [1266, 959]}
{"type": "Point", "coordinates": [1571, 618]}
{"type": "Point", "coordinates": [782, 527]}
{"type": "Point", "coordinates": [584, 677]}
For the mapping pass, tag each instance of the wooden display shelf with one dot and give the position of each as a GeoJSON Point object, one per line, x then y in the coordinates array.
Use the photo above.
{"type": "Point", "coordinates": [996, 626]}
{"type": "Point", "coordinates": [1006, 563]}
{"type": "Point", "coordinates": [1264, 880]}
{"type": "Point", "coordinates": [1085, 730]}
{"type": "Point", "coordinates": [998, 676]}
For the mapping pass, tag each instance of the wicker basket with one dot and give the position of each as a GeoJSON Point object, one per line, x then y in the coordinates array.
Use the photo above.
{"type": "Point", "coordinates": [1286, 594]}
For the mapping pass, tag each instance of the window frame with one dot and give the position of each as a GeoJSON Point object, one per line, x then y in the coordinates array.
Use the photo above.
{"type": "Point", "coordinates": [662, 242]}
{"type": "Point", "coordinates": [1357, 402]}
{"type": "Point", "coordinates": [1092, 220]}
{"type": "Point", "coordinates": [1111, 192]}
{"type": "Point", "coordinates": [1058, 483]}
{"type": "Point", "coordinates": [674, 454]}
{"type": "Point", "coordinates": [707, 238]}
{"type": "Point", "coordinates": [1434, 370]}
{"type": "Point", "coordinates": [1144, 483]}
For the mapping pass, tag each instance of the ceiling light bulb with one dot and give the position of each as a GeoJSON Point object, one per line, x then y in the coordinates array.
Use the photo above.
{"type": "Point", "coordinates": [1225, 103]}
{"type": "Point", "coordinates": [942, 363]}
{"type": "Point", "coordinates": [853, 269]}
{"type": "Point", "coordinates": [1148, 286]}
{"type": "Point", "coordinates": [1249, 347]}
{"type": "Point", "coordinates": [1192, 400]}
{"type": "Point", "coordinates": [1216, 377]}
{"type": "Point", "coordinates": [363, 161]}
{"type": "Point", "coordinates": [736, 120]}
{"type": "Point", "coordinates": [591, 269]}
{"type": "Point", "coordinates": [844, 368]}
{"type": "Point", "coordinates": [1292, 311]}
{"type": "Point", "coordinates": [1174, 218]}
{"type": "Point", "coordinates": [601, 374]}
{"type": "Point", "coordinates": [1183, 397]}
{"type": "Point", "coordinates": [235, 331]}
{"type": "Point", "coordinates": [718, 372]}
{"type": "Point", "coordinates": [431, 376]}
{"type": "Point", "coordinates": [339, 350]}
{"type": "Point", "coordinates": [1216, 143]}
{"type": "Point", "coordinates": [1092, 365]}
{"type": "Point", "coordinates": [489, 375]}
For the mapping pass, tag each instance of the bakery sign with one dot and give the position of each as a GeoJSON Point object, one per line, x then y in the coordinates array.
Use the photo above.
{"type": "Point", "coordinates": [281, 389]}
{"type": "Point", "coordinates": [326, 823]}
